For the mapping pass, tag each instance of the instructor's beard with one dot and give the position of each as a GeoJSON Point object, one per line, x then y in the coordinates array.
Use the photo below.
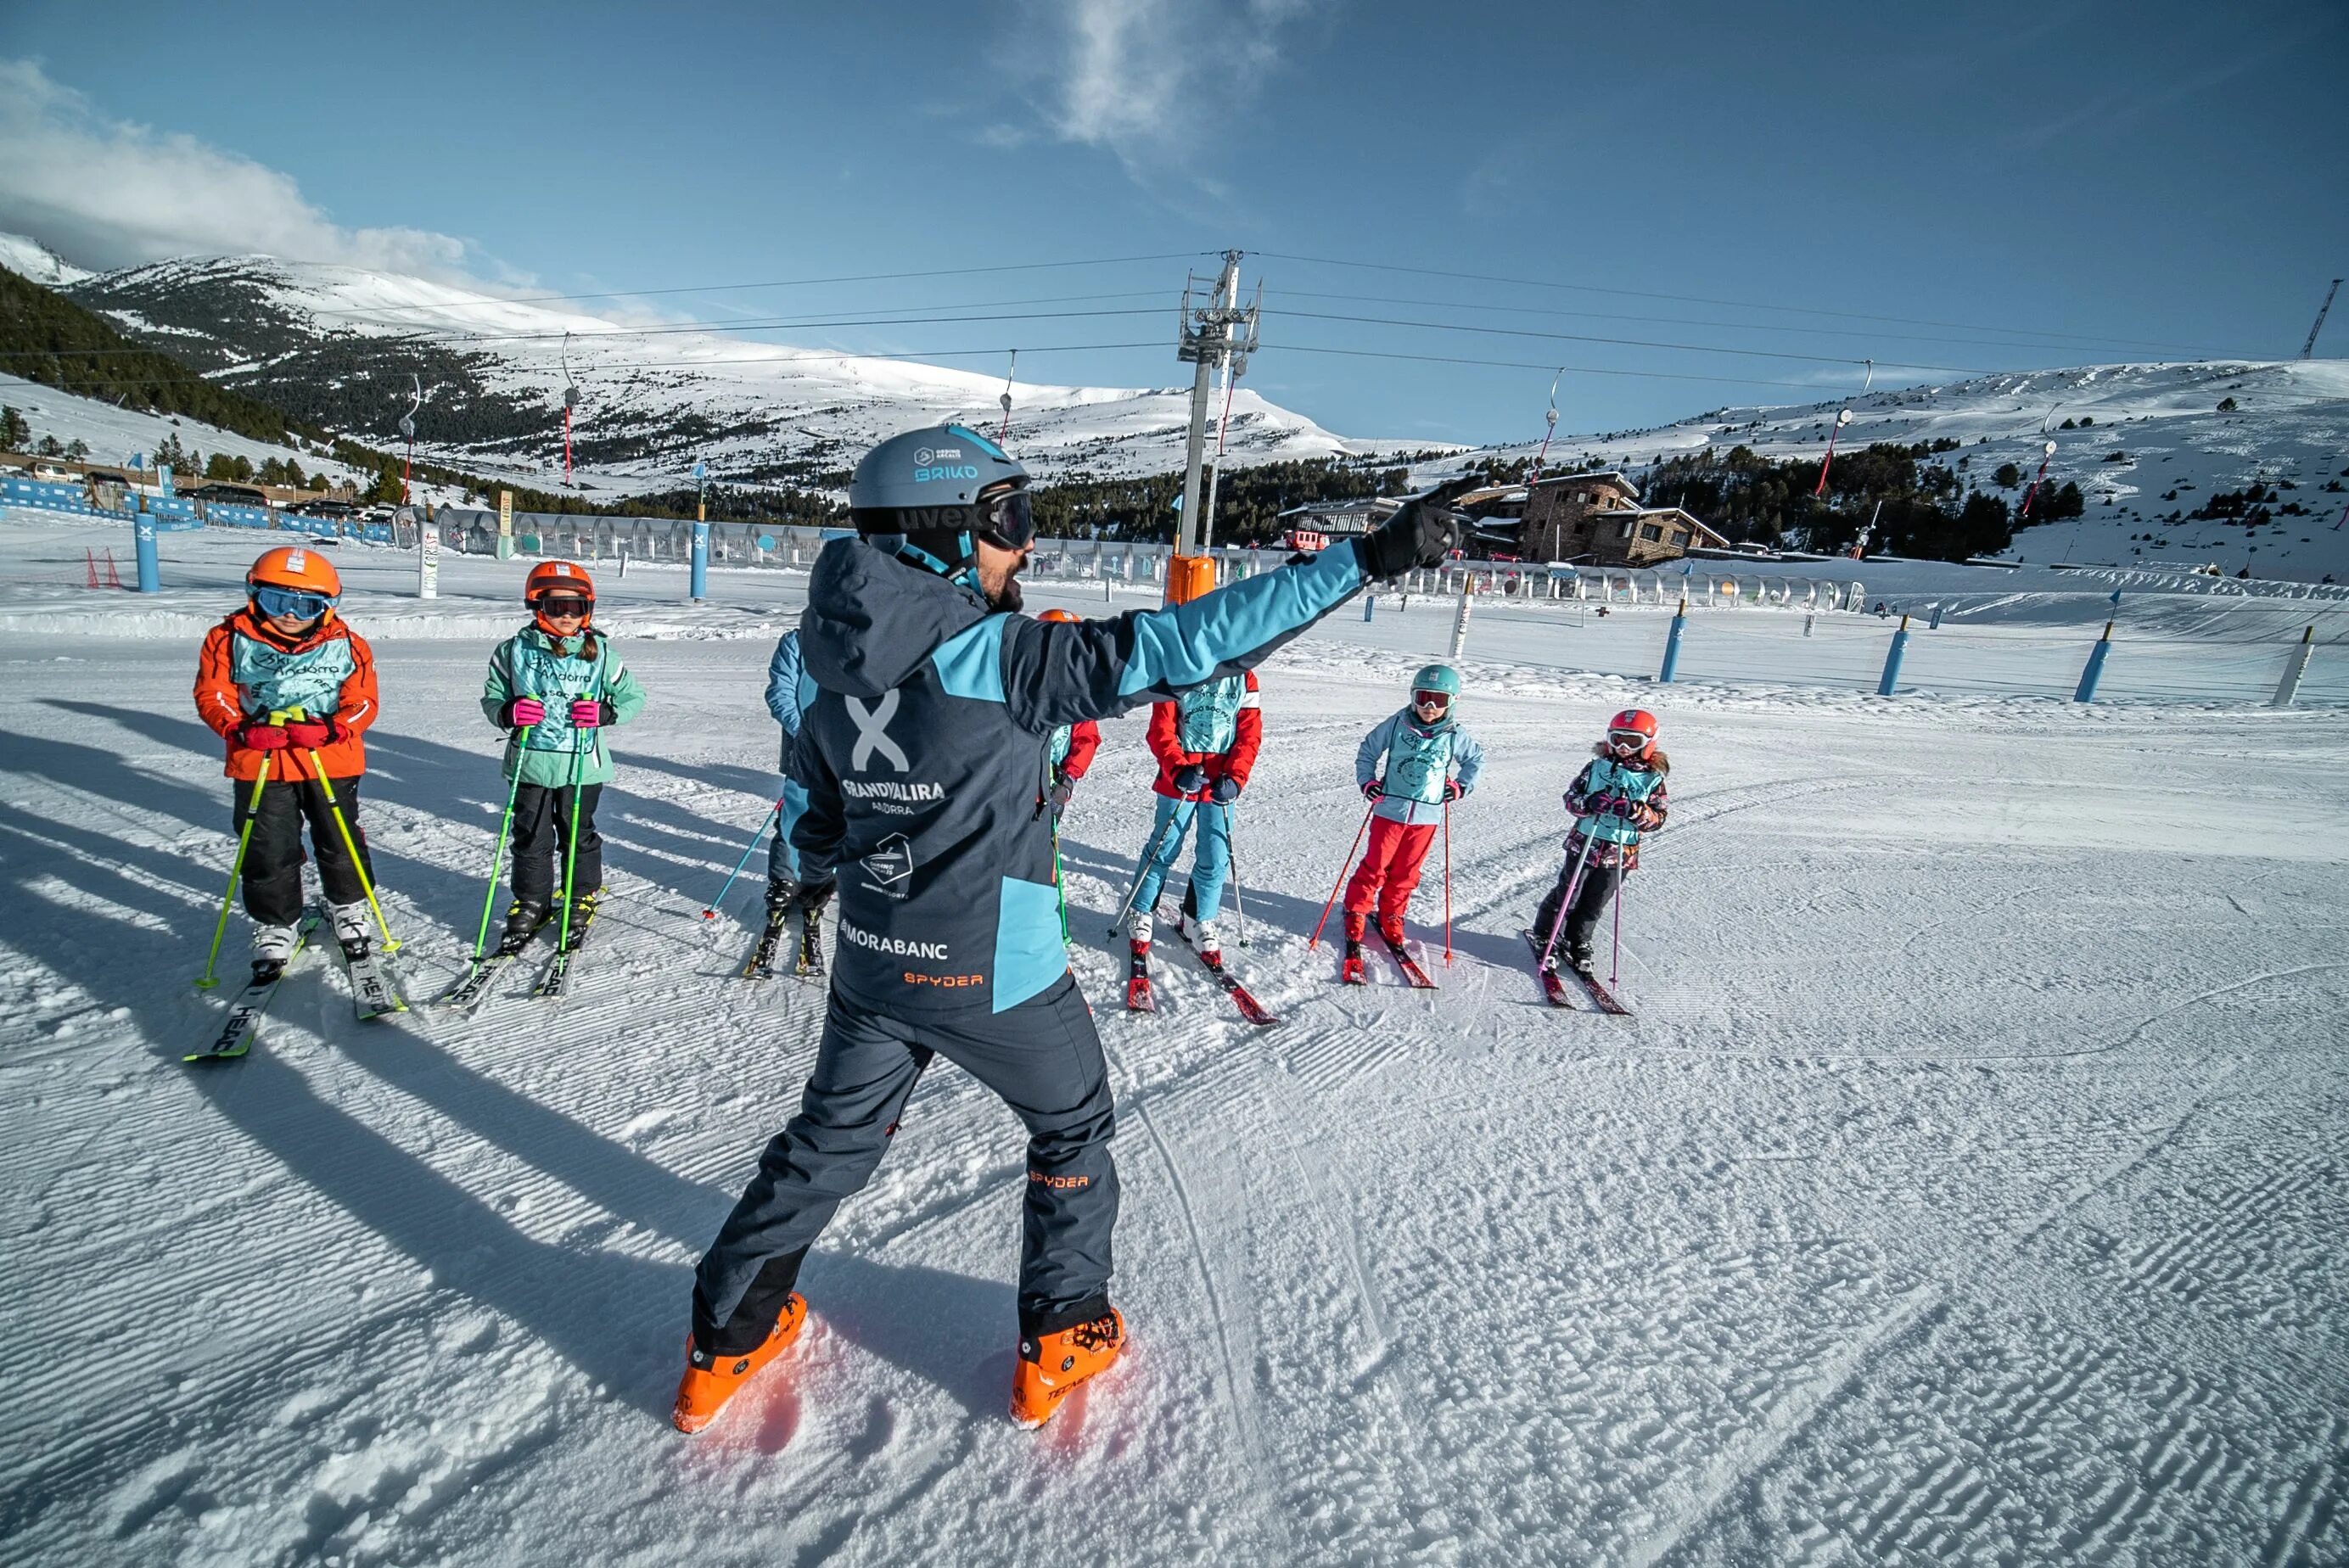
{"type": "Point", "coordinates": [998, 577]}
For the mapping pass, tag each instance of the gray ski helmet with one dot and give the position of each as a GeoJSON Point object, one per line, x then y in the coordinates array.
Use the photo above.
{"type": "Point", "coordinates": [927, 479]}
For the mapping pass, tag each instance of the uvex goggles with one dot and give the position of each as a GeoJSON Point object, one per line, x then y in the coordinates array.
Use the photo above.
{"type": "Point", "coordinates": [557, 606]}
{"type": "Point", "coordinates": [1635, 740]}
{"type": "Point", "coordinates": [1431, 699]}
{"type": "Point", "coordinates": [296, 603]}
{"type": "Point", "coordinates": [1006, 520]}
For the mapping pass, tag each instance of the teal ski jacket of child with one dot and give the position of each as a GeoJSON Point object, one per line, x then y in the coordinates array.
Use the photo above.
{"type": "Point", "coordinates": [559, 671]}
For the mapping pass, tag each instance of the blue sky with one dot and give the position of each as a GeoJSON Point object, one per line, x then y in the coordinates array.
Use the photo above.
{"type": "Point", "coordinates": [2044, 184]}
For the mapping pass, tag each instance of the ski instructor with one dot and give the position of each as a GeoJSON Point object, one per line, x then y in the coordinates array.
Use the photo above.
{"type": "Point", "coordinates": [924, 756]}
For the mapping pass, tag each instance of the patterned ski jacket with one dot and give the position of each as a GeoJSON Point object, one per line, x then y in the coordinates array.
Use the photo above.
{"type": "Point", "coordinates": [926, 751]}
{"type": "Point", "coordinates": [1216, 724]}
{"type": "Point", "coordinates": [247, 671]}
{"type": "Point", "coordinates": [1615, 804]}
{"type": "Point", "coordinates": [1413, 760]}
{"type": "Point", "coordinates": [558, 671]}
{"type": "Point", "coordinates": [789, 689]}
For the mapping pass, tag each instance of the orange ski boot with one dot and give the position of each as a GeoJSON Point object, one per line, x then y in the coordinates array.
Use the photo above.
{"type": "Point", "coordinates": [1051, 1364]}
{"type": "Point", "coordinates": [709, 1382]}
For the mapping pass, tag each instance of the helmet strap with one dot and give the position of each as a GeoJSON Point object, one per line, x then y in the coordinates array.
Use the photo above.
{"type": "Point", "coordinates": [964, 575]}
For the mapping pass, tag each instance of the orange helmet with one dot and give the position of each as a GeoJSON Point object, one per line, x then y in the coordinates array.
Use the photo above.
{"type": "Point", "coordinates": [548, 576]}
{"type": "Point", "coordinates": [1071, 616]}
{"type": "Point", "coordinates": [299, 569]}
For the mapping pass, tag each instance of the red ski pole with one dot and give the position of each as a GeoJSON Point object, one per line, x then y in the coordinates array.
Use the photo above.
{"type": "Point", "coordinates": [1447, 882]}
{"type": "Point", "coordinates": [1314, 940]}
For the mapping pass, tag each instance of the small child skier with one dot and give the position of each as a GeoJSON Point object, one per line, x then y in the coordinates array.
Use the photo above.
{"type": "Point", "coordinates": [1617, 798]}
{"type": "Point", "coordinates": [555, 685]}
{"type": "Point", "coordinates": [1072, 748]}
{"type": "Point", "coordinates": [1205, 741]}
{"type": "Point", "coordinates": [1411, 765]}
{"type": "Point", "coordinates": [290, 687]}
{"type": "Point", "coordinates": [789, 689]}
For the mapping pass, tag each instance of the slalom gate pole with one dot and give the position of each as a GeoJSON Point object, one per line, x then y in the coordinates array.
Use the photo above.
{"type": "Point", "coordinates": [571, 845]}
{"type": "Point", "coordinates": [351, 848]}
{"type": "Point", "coordinates": [1447, 882]}
{"type": "Point", "coordinates": [1142, 870]}
{"type": "Point", "coordinates": [1315, 940]}
{"type": "Point", "coordinates": [498, 855]}
{"type": "Point", "coordinates": [1573, 890]}
{"type": "Point", "coordinates": [709, 911]}
{"type": "Point", "coordinates": [1232, 849]}
{"type": "Point", "coordinates": [207, 980]}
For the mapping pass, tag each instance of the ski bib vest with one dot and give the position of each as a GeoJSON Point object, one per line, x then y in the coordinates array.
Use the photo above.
{"type": "Point", "coordinates": [1207, 716]}
{"type": "Point", "coordinates": [1419, 762]}
{"type": "Point", "coordinates": [1610, 777]}
{"type": "Point", "coordinates": [556, 679]}
{"type": "Point", "coordinates": [1058, 752]}
{"type": "Point", "coordinates": [271, 680]}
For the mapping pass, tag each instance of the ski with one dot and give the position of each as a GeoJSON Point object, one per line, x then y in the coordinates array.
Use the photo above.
{"type": "Point", "coordinates": [761, 964]}
{"type": "Point", "coordinates": [1561, 994]}
{"type": "Point", "coordinates": [1412, 968]}
{"type": "Point", "coordinates": [812, 947]}
{"type": "Point", "coordinates": [374, 991]}
{"type": "Point", "coordinates": [1138, 997]}
{"type": "Point", "coordinates": [243, 1026]}
{"type": "Point", "coordinates": [474, 984]}
{"type": "Point", "coordinates": [1250, 1008]}
{"type": "Point", "coordinates": [556, 979]}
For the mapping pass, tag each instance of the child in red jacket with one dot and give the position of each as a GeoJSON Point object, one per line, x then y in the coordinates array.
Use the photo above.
{"type": "Point", "coordinates": [1206, 742]}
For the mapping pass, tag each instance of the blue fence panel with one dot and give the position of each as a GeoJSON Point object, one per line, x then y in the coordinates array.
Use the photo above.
{"type": "Point", "coordinates": [45, 495]}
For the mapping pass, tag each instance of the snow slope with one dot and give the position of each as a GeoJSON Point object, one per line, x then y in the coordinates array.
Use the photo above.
{"type": "Point", "coordinates": [31, 259]}
{"type": "Point", "coordinates": [2290, 427]}
{"type": "Point", "coordinates": [1972, 1185]}
{"type": "Point", "coordinates": [113, 434]}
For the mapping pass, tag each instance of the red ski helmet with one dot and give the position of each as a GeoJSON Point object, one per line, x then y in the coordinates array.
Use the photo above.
{"type": "Point", "coordinates": [1636, 727]}
{"type": "Point", "coordinates": [1069, 616]}
{"type": "Point", "coordinates": [558, 577]}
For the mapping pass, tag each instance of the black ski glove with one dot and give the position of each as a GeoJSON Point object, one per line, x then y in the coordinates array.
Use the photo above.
{"type": "Point", "coordinates": [1422, 533]}
{"type": "Point", "coordinates": [1190, 779]}
{"type": "Point", "coordinates": [1060, 795]}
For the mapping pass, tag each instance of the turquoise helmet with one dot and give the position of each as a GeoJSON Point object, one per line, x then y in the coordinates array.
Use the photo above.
{"type": "Point", "coordinates": [1436, 677]}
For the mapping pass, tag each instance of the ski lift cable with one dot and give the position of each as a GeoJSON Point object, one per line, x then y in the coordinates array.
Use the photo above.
{"type": "Point", "coordinates": [1694, 299]}
{"type": "Point", "coordinates": [797, 283]}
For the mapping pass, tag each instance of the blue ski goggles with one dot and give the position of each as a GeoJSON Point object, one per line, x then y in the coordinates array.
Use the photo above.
{"type": "Point", "coordinates": [1006, 520]}
{"type": "Point", "coordinates": [291, 603]}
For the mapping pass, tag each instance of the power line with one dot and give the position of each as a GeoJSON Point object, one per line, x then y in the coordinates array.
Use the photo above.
{"type": "Point", "coordinates": [1622, 342]}
{"type": "Point", "coordinates": [1548, 364]}
{"type": "Point", "coordinates": [1870, 334]}
{"type": "Point", "coordinates": [787, 282]}
{"type": "Point", "coordinates": [1700, 299]}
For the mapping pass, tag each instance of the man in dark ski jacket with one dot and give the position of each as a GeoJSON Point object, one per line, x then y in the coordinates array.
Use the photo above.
{"type": "Point", "coordinates": [926, 756]}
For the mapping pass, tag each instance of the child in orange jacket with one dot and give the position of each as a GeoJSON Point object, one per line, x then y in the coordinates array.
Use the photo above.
{"type": "Point", "coordinates": [290, 688]}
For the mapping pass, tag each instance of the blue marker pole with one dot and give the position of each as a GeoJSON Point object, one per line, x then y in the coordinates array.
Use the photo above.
{"type": "Point", "coordinates": [1892, 660]}
{"type": "Point", "coordinates": [1672, 645]}
{"type": "Point", "coordinates": [1370, 604]}
{"type": "Point", "coordinates": [142, 531]}
{"type": "Point", "coordinates": [701, 531]}
{"type": "Point", "coordinates": [2095, 670]}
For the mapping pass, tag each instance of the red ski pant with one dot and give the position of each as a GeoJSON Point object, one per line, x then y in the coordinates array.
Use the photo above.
{"type": "Point", "coordinates": [1388, 874]}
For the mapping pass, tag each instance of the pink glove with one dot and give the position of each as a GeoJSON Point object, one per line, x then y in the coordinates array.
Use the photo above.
{"type": "Point", "coordinates": [587, 714]}
{"type": "Point", "coordinates": [526, 711]}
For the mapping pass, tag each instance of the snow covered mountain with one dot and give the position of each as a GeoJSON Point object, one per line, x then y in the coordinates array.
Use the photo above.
{"type": "Point", "coordinates": [340, 344]}
{"type": "Point", "coordinates": [2148, 444]}
{"type": "Point", "coordinates": [31, 259]}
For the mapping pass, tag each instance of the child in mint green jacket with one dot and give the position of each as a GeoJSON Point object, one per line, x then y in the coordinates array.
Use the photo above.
{"type": "Point", "coordinates": [556, 685]}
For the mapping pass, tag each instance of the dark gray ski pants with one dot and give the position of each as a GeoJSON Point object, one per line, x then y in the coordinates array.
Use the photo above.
{"type": "Point", "coordinates": [1041, 1058]}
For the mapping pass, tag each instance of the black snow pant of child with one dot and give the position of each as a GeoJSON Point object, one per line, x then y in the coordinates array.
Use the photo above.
{"type": "Point", "coordinates": [272, 860]}
{"type": "Point", "coordinates": [1599, 885]}
{"type": "Point", "coordinates": [1044, 1061]}
{"type": "Point", "coordinates": [541, 836]}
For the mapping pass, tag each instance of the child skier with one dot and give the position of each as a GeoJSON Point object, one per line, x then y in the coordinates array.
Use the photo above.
{"type": "Point", "coordinates": [555, 685]}
{"type": "Point", "coordinates": [290, 687]}
{"type": "Point", "coordinates": [789, 689]}
{"type": "Point", "coordinates": [1205, 741]}
{"type": "Point", "coordinates": [1617, 796]}
{"type": "Point", "coordinates": [1071, 750]}
{"type": "Point", "coordinates": [1411, 765]}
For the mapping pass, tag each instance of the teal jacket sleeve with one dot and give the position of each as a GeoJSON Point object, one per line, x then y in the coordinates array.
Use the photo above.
{"type": "Point", "coordinates": [620, 688]}
{"type": "Point", "coordinates": [497, 690]}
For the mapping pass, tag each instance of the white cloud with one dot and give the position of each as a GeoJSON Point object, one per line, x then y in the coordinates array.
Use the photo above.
{"type": "Point", "coordinates": [1149, 79]}
{"type": "Point", "coordinates": [108, 193]}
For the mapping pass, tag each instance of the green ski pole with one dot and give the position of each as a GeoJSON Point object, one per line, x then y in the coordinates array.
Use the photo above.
{"type": "Point", "coordinates": [207, 980]}
{"type": "Point", "coordinates": [571, 847]}
{"type": "Point", "coordinates": [498, 855]}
